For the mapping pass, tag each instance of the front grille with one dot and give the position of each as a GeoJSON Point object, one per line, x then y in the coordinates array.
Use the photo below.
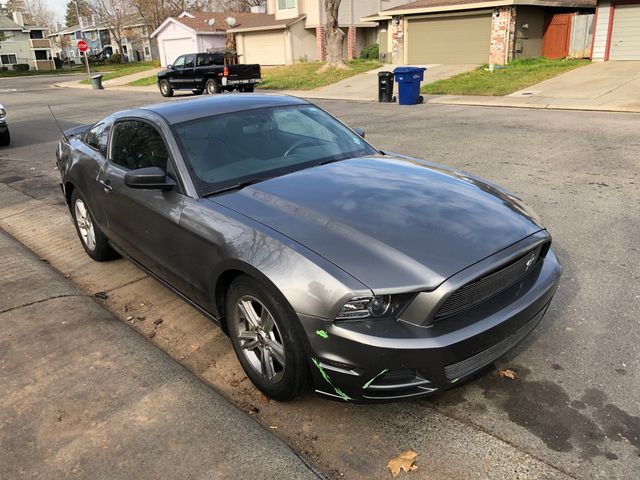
{"type": "Point", "coordinates": [486, 287]}
{"type": "Point", "coordinates": [475, 362]}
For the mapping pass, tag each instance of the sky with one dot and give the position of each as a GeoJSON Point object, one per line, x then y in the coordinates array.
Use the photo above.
{"type": "Point", "coordinates": [58, 7]}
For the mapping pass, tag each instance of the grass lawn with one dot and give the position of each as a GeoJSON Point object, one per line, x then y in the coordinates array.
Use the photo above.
{"type": "Point", "coordinates": [144, 82]}
{"type": "Point", "coordinates": [116, 70]}
{"type": "Point", "coordinates": [304, 76]}
{"type": "Point", "coordinates": [517, 75]}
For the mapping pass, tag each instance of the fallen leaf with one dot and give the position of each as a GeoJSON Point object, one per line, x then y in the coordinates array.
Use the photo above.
{"type": "Point", "coordinates": [194, 347]}
{"type": "Point", "coordinates": [403, 461]}
{"type": "Point", "coordinates": [253, 409]}
{"type": "Point", "coordinates": [129, 318]}
{"type": "Point", "coordinates": [157, 322]}
{"type": "Point", "coordinates": [152, 334]}
{"type": "Point", "coordinates": [141, 318]}
{"type": "Point", "coordinates": [507, 373]}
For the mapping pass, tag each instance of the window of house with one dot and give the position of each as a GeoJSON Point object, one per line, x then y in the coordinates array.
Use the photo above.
{"type": "Point", "coordinates": [147, 52]}
{"type": "Point", "coordinates": [8, 59]}
{"type": "Point", "coordinates": [98, 138]}
{"type": "Point", "coordinates": [40, 54]}
{"type": "Point", "coordinates": [7, 37]}
{"type": "Point", "coordinates": [36, 34]}
{"type": "Point", "coordinates": [137, 144]}
{"type": "Point", "coordinates": [286, 4]}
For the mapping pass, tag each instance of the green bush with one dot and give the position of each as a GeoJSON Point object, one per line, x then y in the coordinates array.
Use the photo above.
{"type": "Point", "coordinates": [115, 58]}
{"type": "Point", "coordinates": [370, 52]}
{"type": "Point", "coordinates": [21, 67]}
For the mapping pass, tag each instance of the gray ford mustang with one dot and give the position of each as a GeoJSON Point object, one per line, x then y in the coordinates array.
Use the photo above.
{"type": "Point", "coordinates": [369, 275]}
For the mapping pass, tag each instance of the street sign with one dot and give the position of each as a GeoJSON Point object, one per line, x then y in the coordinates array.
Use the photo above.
{"type": "Point", "coordinates": [82, 46]}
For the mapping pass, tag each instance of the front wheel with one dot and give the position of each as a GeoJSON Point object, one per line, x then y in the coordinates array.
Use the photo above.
{"type": "Point", "coordinates": [5, 139]}
{"type": "Point", "coordinates": [93, 241]}
{"type": "Point", "coordinates": [165, 88]}
{"type": "Point", "coordinates": [267, 338]}
{"type": "Point", "coordinates": [212, 87]}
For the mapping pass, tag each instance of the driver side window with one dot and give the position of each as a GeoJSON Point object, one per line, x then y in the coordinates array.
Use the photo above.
{"type": "Point", "coordinates": [179, 63]}
{"type": "Point", "coordinates": [137, 144]}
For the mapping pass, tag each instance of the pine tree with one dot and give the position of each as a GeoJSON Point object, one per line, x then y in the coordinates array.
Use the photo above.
{"type": "Point", "coordinates": [71, 16]}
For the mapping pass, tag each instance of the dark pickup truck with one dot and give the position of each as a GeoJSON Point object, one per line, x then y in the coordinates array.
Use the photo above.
{"type": "Point", "coordinates": [208, 72]}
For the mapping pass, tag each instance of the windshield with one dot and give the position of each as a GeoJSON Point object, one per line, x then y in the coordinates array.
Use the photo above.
{"type": "Point", "coordinates": [230, 150]}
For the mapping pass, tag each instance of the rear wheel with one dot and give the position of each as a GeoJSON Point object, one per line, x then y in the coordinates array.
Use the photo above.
{"type": "Point", "coordinates": [212, 87]}
{"type": "Point", "coordinates": [268, 339]}
{"type": "Point", "coordinates": [93, 240]}
{"type": "Point", "coordinates": [5, 139]}
{"type": "Point", "coordinates": [165, 88]}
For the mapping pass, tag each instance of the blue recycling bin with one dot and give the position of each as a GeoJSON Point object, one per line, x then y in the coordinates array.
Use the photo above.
{"type": "Point", "coordinates": [408, 80]}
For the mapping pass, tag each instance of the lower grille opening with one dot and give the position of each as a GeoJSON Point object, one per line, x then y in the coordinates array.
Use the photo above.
{"type": "Point", "coordinates": [461, 369]}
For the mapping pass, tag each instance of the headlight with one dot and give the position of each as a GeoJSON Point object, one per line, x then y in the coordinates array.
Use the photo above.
{"type": "Point", "coordinates": [374, 306]}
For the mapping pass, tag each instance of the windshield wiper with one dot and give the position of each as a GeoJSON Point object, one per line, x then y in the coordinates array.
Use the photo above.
{"type": "Point", "coordinates": [238, 186]}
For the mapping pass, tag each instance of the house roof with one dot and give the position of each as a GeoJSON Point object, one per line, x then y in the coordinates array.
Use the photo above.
{"type": "Point", "coordinates": [8, 24]}
{"type": "Point", "coordinates": [264, 21]}
{"type": "Point", "coordinates": [425, 6]}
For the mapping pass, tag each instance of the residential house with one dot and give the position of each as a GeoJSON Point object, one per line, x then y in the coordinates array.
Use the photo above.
{"type": "Point", "coordinates": [477, 31]}
{"type": "Point", "coordinates": [134, 35]}
{"type": "Point", "coordinates": [617, 32]}
{"type": "Point", "coordinates": [294, 30]}
{"type": "Point", "coordinates": [24, 44]}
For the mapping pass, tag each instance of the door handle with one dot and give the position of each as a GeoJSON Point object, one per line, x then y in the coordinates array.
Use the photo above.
{"type": "Point", "coordinates": [106, 185]}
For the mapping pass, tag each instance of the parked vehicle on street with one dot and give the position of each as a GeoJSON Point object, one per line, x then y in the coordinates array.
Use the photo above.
{"type": "Point", "coordinates": [208, 72]}
{"type": "Point", "coordinates": [5, 136]}
{"type": "Point", "coordinates": [370, 275]}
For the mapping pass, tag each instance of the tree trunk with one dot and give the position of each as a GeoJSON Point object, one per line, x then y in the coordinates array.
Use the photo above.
{"type": "Point", "coordinates": [334, 35]}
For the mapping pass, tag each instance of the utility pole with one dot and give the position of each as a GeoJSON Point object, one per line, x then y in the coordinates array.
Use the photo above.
{"type": "Point", "coordinates": [86, 58]}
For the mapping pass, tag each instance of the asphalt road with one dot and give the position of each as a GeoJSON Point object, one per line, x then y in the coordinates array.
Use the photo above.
{"type": "Point", "coordinates": [575, 406]}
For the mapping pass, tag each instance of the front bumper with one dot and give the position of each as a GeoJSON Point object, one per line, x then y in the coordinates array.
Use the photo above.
{"type": "Point", "coordinates": [388, 360]}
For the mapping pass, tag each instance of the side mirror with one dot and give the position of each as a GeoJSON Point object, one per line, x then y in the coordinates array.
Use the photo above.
{"type": "Point", "coordinates": [170, 67]}
{"type": "Point", "coordinates": [153, 178]}
{"type": "Point", "coordinates": [359, 131]}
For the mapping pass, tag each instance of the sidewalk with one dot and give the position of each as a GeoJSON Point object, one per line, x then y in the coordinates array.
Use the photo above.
{"type": "Point", "coordinates": [605, 86]}
{"type": "Point", "coordinates": [120, 83]}
{"type": "Point", "coordinates": [82, 395]}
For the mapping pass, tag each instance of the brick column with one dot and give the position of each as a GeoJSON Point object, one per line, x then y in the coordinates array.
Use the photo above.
{"type": "Point", "coordinates": [351, 43]}
{"type": "Point", "coordinates": [397, 40]}
{"type": "Point", "coordinates": [503, 33]}
{"type": "Point", "coordinates": [321, 44]}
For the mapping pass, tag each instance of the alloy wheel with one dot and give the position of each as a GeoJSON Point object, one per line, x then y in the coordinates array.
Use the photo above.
{"type": "Point", "coordinates": [260, 338]}
{"type": "Point", "coordinates": [85, 224]}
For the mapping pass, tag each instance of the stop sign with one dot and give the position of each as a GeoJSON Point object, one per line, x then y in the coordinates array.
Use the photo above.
{"type": "Point", "coordinates": [82, 46]}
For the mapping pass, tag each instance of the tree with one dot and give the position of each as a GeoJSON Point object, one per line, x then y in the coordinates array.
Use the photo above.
{"type": "Point", "coordinates": [71, 15]}
{"type": "Point", "coordinates": [112, 14]}
{"type": "Point", "coordinates": [334, 35]}
{"type": "Point", "coordinates": [154, 12]}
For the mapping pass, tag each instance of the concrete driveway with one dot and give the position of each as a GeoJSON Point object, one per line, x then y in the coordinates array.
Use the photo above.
{"type": "Point", "coordinates": [364, 87]}
{"type": "Point", "coordinates": [608, 86]}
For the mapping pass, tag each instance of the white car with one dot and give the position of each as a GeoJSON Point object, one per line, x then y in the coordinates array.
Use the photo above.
{"type": "Point", "coordinates": [5, 137]}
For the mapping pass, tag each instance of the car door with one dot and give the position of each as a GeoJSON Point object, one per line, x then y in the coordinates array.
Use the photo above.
{"type": "Point", "coordinates": [144, 223]}
{"type": "Point", "coordinates": [189, 71]}
{"type": "Point", "coordinates": [176, 73]}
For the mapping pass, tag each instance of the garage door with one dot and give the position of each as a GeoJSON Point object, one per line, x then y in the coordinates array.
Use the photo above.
{"type": "Point", "coordinates": [458, 39]}
{"type": "Point", "coordinates": [264, 48]}
{"type": "Point", "coordinates": [175, 47]}
{"type": "Point", "coordinates": [625, 35]}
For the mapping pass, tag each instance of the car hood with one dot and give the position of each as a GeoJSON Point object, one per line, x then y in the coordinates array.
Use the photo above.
{"type": "Point", "coordinates": [393, 223]}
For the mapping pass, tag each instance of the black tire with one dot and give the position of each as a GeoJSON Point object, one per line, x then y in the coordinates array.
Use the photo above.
{"type": "Point", "coordinates": [212, 87]}
{"type": "Point", "coordinates": [101, 250]}
{"type": "Point", "coordinates": [198, 91]}
{"type": "Point", "coordinates": [5, 139]}
{"type": "Point", "coordinates": [166, 90]}
{"type": "Point", "coordinates": [294, 378]}
{"type": "Point", "coordinates": [247, 89]}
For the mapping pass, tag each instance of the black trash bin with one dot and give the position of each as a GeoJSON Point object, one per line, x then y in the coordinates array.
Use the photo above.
{"type": "Point", "coordinates": [96, 82]}
{"type": "Point", "coordinates": [385, 87]}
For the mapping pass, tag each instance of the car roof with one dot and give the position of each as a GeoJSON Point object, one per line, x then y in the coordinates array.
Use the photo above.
{"type": "Point", "coordinates": [186, 110]}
